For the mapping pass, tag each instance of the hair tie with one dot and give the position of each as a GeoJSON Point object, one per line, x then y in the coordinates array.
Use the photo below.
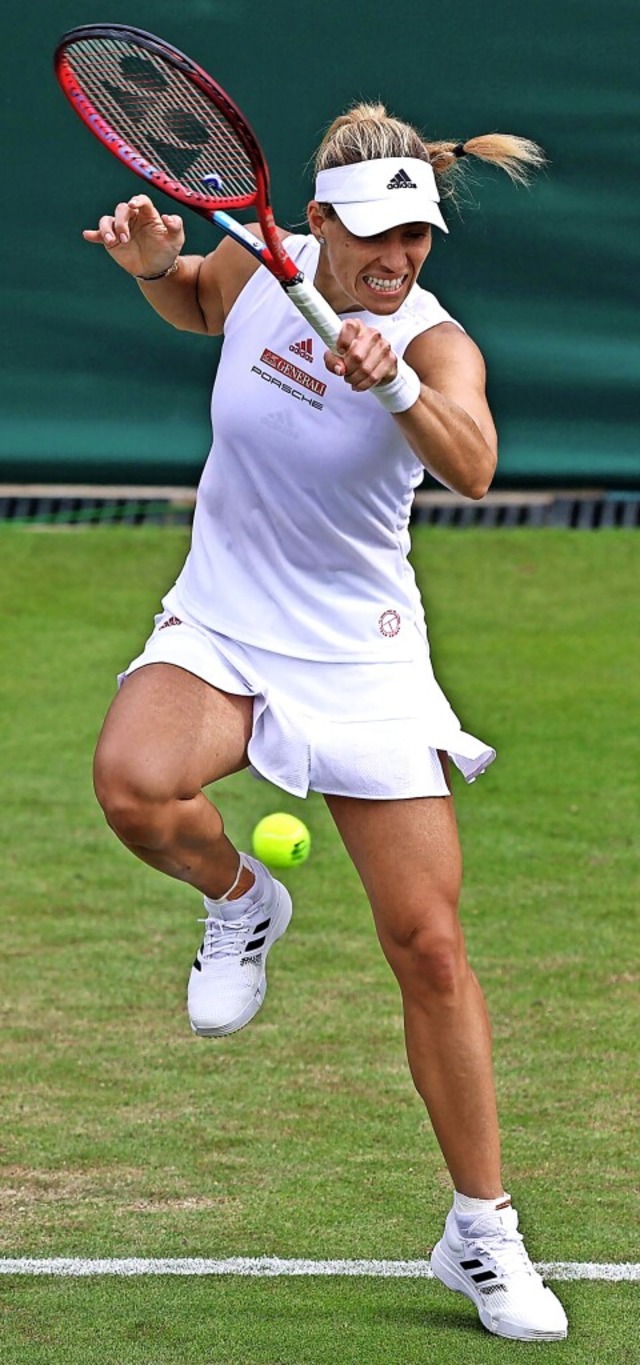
{"type": "Point", "coordinates": [458, 150]}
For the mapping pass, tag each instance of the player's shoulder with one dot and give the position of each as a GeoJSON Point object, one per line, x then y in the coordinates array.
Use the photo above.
{"type": "Point", "coordinates": [231, 266]}
{"type": "Point", "coordinates": [426, 308]}
{"type": "Point", "coordinates": [223, 275]}
{"type": "Point", "coordinates": [444, 347]}
{"type": "Point", "coordinates": [432, 328]}
{"type": "Point", "coordinates": [227, 270]}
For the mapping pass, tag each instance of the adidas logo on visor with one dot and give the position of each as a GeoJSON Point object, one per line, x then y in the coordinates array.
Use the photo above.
{"type": "Point", "coordinates": [401, 181]}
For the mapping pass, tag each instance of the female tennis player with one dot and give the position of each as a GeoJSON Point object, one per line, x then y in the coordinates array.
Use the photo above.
{"type": "Point", "coordinates": [294, 639]}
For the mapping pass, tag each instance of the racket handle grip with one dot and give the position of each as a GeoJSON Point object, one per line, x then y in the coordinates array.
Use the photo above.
{"type": "Point", "coordinates": [395, 396]}
{"type": "Point", "coordinates": [318, 313]}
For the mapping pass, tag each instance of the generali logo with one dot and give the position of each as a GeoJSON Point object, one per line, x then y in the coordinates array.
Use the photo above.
{"type": "Point", "coordinates": [293, 372]}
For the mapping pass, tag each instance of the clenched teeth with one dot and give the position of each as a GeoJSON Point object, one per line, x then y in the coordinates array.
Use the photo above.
{"type": "Point", "coordinates": [386, 286]}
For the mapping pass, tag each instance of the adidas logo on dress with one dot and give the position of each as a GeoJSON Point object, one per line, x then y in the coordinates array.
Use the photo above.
{"type": "Point", "coordinates": [304, 349]}
{"type": "Point", "coordinates": [401, 181]}
{"type": "Point", "coordinates": [282, 423]}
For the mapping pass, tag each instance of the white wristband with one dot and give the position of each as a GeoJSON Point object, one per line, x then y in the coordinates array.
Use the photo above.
{"type": "Point", "coordinates": [402, 392]}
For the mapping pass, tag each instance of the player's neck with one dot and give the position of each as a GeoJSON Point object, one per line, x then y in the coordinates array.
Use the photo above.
{"type": "Point", "coordinates": [327, 285]}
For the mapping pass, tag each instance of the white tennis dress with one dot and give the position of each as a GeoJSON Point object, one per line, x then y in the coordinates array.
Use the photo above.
{"type": "Point", "coordinates": [297, 589]}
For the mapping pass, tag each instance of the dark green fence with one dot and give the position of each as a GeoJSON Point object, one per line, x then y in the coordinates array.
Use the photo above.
{"type": "Point", "coordinates": [96, 388]}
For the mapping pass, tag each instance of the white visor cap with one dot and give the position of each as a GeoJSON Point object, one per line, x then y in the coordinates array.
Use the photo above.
{"type": "Point", "coordinates": [372, 196]}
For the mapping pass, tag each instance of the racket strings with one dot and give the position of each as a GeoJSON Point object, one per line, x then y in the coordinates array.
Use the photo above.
{"type": "Point", "coordinates": [164, 116]}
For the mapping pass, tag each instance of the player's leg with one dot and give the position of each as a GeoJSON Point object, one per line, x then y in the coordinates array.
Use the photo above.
{"type": "Point", "coordinates": [408, 856]}
{"type": "Point", "coordinates": [167, 734]}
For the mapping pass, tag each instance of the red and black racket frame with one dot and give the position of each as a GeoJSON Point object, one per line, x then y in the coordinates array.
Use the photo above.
{"type": "Point", "coordinates": [269, 252]}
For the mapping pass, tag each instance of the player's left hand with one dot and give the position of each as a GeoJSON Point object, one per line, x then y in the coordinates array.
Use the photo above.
{"type": "Point", "coordinates": [363, 357]}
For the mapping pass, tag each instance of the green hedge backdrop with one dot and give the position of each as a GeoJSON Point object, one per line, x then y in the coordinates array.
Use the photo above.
{"type": "Point", "coordinates": [96, 388]}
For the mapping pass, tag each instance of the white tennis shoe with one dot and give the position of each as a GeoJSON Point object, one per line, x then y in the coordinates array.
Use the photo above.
{"type": "Point", "coordinates": [228, 980]}
{"type": "Point", "coordinates": [484, 1257]}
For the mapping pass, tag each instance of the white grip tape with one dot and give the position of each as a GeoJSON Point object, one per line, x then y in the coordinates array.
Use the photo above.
{"type": "Point", "coordinates": [316, 310]}
{"type": "Point", "coordinates": [396, 396]}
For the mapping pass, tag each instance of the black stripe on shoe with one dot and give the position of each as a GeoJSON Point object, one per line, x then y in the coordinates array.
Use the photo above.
{"type": "Point", "coordinates": [484, 1276]}
{"type": "Point", "coordinates": [255, 944]}
{"type": "Point", "coordinates": [471, 1265]}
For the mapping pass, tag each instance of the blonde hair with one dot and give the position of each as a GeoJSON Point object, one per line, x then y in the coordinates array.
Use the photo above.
{"type": "Point", "coordinates": [367, 132]}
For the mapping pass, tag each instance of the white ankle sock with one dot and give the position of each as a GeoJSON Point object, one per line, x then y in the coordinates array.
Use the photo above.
{"type": "Point", "coordinates": [226, 909]}
{"type": "Point", "coordinates": [464, 1205]}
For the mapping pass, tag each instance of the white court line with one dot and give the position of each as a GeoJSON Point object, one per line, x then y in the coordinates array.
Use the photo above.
{"type": "Point", "coordinates": [268, 1266]}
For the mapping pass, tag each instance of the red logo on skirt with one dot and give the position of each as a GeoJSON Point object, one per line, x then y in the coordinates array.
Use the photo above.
{"type": "Point", "coordinates": [389, 623]}
{"type": "Point", "coordinates": [171, 621]}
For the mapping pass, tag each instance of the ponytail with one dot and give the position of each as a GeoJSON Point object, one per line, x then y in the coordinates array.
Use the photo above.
{"type": "Point", "coordinates": [518, 156]}
{"type": "Point", "coordinates": [367, 131]}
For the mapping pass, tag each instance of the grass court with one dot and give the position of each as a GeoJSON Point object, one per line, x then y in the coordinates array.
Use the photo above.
{"type": "Point", "coordinates": [123, 1135]}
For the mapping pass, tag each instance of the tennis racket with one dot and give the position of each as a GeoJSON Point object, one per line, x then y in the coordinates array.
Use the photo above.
{"type": "Point", "coordinates": [174, 126]}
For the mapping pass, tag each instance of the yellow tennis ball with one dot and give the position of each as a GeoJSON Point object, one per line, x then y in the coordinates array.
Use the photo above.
{"type": "Point", "coordinates": [281, 840]}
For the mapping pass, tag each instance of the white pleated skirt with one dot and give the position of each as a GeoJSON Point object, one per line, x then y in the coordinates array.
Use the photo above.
{"type": "Point", "coordinates": [369, 730]}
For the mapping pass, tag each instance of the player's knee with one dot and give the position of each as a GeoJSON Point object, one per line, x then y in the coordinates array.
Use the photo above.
{"type": "Point", "coordinates": [433, 963]}
{"type": "Point", "coordinates": [134, 809]}
{"type": "Point", "coordinates": [132, 816]}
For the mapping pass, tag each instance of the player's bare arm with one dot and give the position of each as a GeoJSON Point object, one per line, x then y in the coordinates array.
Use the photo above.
{"type": "Point", "coordinates": [191, 293]}
{"type": "Point", "coordinates": [145, 242]}
{"type": "Point", "coordinates": [449, 427]}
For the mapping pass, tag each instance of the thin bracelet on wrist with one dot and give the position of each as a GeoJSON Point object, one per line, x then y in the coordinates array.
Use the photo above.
{"type": "Point", "coordinates": [163, 273]}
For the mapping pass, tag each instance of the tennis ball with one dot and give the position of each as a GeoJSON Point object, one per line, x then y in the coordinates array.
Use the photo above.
{"type": "Point", "coordinates": [281, 840]}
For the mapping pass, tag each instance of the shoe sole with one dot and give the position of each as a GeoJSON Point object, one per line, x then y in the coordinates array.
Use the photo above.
{"type": "Point", "coordinates": [446, 1271]}
{"type": "Point", "coordinates": [280, 923]}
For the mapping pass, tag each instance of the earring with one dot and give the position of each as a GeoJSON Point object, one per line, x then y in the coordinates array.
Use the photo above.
{"type": "Point", "coordinates": [321, 241]}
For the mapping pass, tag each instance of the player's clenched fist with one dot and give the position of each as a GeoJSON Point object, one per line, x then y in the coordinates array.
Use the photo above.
{"type": "Point", "coordinates": [141, 240]}
{"type": "Point", "coordinates": [364, 357]}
